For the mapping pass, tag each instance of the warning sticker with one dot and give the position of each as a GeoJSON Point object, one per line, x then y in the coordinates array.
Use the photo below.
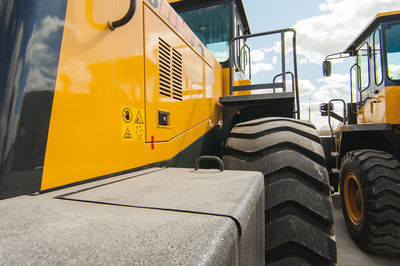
{"type": "Point", "coordinates": [128, 134]}
{"type": "Point", "coordinates": [127, 115]}
{"type": "Point", "coordinates": [132, 124]}
{"type": "Point", "coordinates": [139, 119]}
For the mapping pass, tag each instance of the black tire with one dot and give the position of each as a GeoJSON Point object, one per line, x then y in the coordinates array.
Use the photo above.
{"type": "Point", "coordinates": [299, 227]}
{"type": "Point", "coordinates": [377, 229]}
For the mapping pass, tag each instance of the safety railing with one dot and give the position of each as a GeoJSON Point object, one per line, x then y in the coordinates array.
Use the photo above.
{"type": "Point", "coordinates": [274, 85]}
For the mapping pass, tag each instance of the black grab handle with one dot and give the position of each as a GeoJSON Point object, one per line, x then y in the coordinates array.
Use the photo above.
{"type": "Point", "coordinates": [125, 19]}
{"type": "Point", "coordinates": [210, 158]}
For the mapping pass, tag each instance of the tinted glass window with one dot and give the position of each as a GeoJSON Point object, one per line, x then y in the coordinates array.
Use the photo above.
{"type": "Point", "coordinates": [393, 51]}
{"type": "Point", "coordinates": [239, 45]}
{"type": "Point", "coordinates": [362, 55]}
{"type": "Point", "coordinates": [377, 57]}
{"type": "Point", "coordinates": [211, 25]}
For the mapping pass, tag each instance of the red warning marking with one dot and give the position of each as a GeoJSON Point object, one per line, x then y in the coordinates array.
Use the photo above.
{"type": "Point", "coordinates": [152, 142]}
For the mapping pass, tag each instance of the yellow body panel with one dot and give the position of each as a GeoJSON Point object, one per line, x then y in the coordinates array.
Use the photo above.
{"type": "Point", "coordinates": [374, 111]}
{"type": "Point", "coordinates": [225, 81]}
{"type": "Point", "coordinates": [392, 105]}
{"type": "Point", "coordinates": [382, 108]}
{"type": "Point", "coordinates": [198, 97]}
{"type": "Point", "coordinates": [385, 14]}
{"type": "Point", "coordinates": [236, 82]}
{"type": "Point", "coordinates": [102, 73]}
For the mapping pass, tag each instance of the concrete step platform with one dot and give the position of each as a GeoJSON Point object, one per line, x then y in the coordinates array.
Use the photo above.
{"type": "Point", "coordinates": [157, 216]}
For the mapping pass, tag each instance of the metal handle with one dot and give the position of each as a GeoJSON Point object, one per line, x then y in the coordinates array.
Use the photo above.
{"type": "Point", "coordinates": [125, 19]}
{"type": "Point", "coordinates": [210, 158]}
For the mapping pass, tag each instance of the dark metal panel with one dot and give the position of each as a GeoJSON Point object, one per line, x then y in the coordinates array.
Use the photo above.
{"type": "Point", "coordinates": [258, 86]}
{"type": "Point", "coordinates": [369, 136]}
{"type": "Point", "coordinates": [30, 46]}
{"type": "Point", "coordinates": [255, 98]}
{"type": "Point", "coordinates": [366, 127]}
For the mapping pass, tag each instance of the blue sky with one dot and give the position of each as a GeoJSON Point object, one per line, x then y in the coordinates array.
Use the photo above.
{"type": "Point", "coordinates": [323, 27]}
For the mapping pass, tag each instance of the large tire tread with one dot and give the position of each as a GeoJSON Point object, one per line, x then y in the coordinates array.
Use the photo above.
{"type": "Point", "coordinates": [298, 207]}
{"type": "Point", "coordinates": [293, 163]}
{"type": "Point", "coordinates": [379, 173]}
{"type": "Point", "coordinates": [264, 120]}
{"type": "Point", "coordinates": [256, 131]}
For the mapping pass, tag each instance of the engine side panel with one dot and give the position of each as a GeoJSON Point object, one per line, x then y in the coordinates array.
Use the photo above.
{"type": "Point", "coordinates": [105, 112]}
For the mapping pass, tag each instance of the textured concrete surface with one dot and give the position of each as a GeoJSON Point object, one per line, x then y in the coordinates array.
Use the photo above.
{"type": "Point", "coordinates": [349, 254]}
{"type": "Point", "coordinates": [210, 191]}
{"type": "Point", "coordinates": [43, 230]}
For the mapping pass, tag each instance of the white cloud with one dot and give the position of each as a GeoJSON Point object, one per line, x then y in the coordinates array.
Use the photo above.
{"type": "Point", "coordinates": [256, 68]}
{"type": "Point", "coordinates": [257, 56]}
{"type": "Point", "coordinates": [321, 35]}
{"type": "Point", "coordinates": [334, 87]}
{"type": "Point", "coordinates": [325, 89]}
{"type": "Point", "coordinates": [335, 78]}
{"type": "Point", "coordinates": [306, 87]}
{"type": "Point", "coordinates": [221, 56]}
{"type": "Point", "coordinates": [394, 71]}
{"type": "Point", "coordinates": [276, 48]}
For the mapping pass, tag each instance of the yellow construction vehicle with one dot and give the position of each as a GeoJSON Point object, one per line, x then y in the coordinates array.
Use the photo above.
{"type": "Point", "coordinates": [106, 106]}
{"type": "Point", "coordinates": [363, 154]}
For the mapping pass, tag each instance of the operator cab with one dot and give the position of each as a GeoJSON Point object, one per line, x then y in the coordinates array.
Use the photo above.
{"type": "Point", "coordinates": [377, 53]}
{"type": "Point", "coordinates": [223, 27]}
{"type": "Point", "coordinates": [216, 23]}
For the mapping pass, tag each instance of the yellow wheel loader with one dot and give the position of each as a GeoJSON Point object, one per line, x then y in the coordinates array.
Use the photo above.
{"type": "Point", "coordinates": [111, 111]}
{"type": "Point", "coordinates": [363, 153]}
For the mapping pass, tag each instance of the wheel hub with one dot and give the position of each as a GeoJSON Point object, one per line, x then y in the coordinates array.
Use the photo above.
{"type": "Point", "coordinates": [353, 198]}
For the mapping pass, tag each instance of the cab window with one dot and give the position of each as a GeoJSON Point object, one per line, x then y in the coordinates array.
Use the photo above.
{"type": "Point", "coordinates": [363, 63]}
{"type": "Point", "coordinates": [393, 51]}
{"type": "Point", "coordinates": [378, 57]}
{"type": "Point", "coordinates": [239, 45]}
{"type": "Point", "coordinates": [211, 25]}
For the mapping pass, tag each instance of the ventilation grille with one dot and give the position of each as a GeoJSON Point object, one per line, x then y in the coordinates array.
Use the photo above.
{"type": "Point", "coordinates": [170, 69]}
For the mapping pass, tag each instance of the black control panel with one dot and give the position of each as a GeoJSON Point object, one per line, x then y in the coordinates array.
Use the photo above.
{"type": "Point", "coordinates": [163, 118]}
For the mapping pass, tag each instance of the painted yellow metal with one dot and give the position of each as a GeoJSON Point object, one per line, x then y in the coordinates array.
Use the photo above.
{"type": "Point", "coordinates": [236, 82]}
{"type": "Point", "coordinates": [225, 81]}
{"type": "Point", "coordinates": [382, 107]}
{"type": "Point", "coordinates": [385, 14]}
{"type": "Point", "coordinates": [103, 72]}
{"type": "Point", "coordinates": [374, 111]}
{"type": "Point", "coordinates": [392, 105]}
{"type": "Point", "coordinates": [91, 9]}
{"type": "Point", "coordinates": [199, 81]}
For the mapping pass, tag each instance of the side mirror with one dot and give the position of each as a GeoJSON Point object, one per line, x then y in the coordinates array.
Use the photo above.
{"type": "Point", "coordinates": [326, 68]}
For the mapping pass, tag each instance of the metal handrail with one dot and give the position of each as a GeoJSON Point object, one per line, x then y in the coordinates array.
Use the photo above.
{"type": "Point", "coordinates": [248, 48]}
{"type": "Point", "coordinates": [351, 83]}
{"type": "Point", "coordinates": [329, 113]}
{"type": "Point", "coordinates": [282, 32]}
{"type": "Point", "coordinates": [287, 72]}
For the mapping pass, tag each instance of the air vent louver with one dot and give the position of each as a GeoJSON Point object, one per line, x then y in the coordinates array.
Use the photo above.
{"type": "Point", "coordinates": [170, 71]}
